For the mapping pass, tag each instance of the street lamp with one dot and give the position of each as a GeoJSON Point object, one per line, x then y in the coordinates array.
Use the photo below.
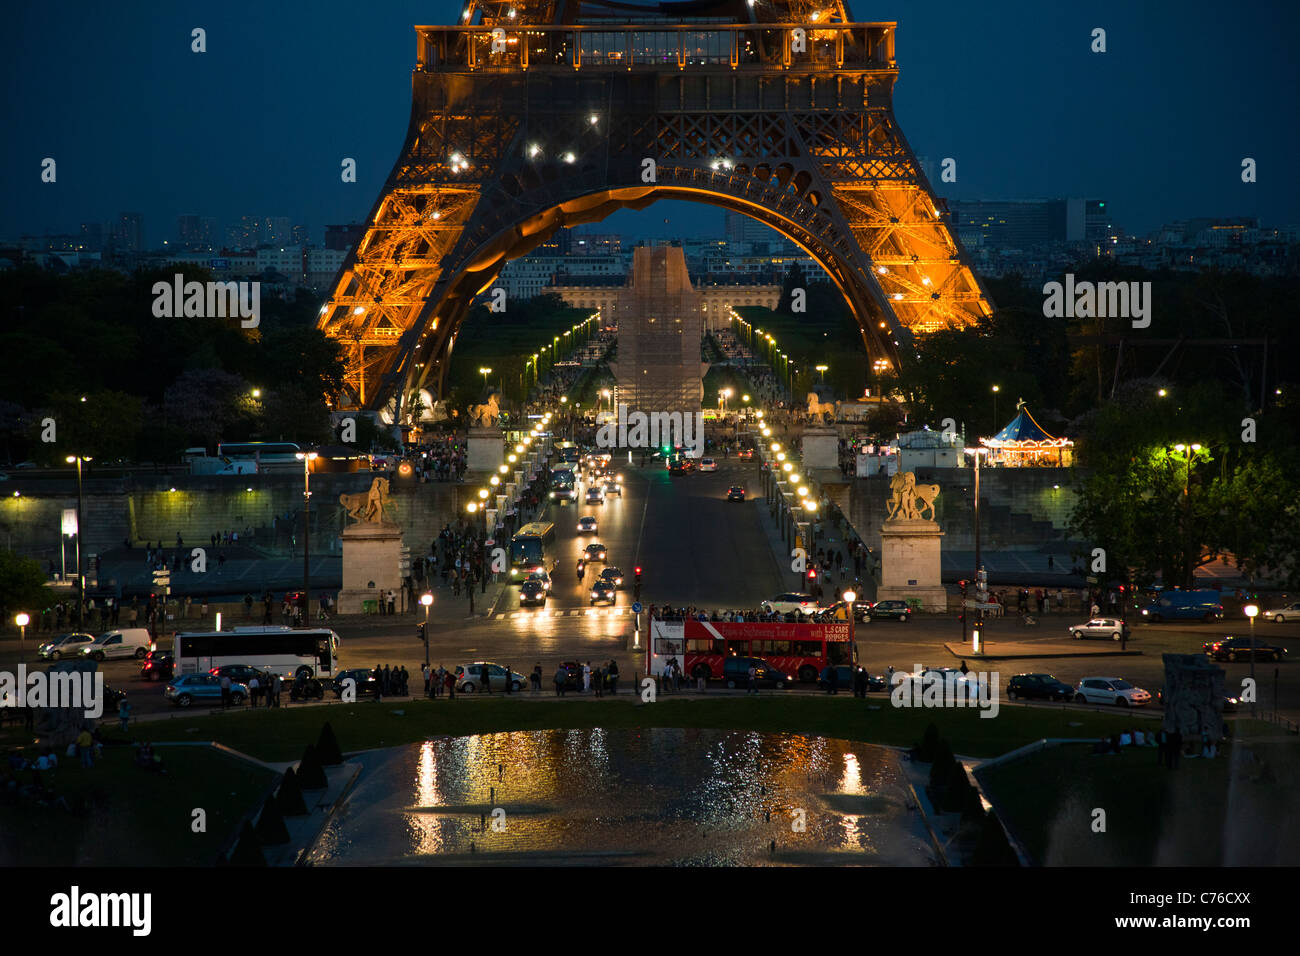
{"type": "Point", "coordinates": [306, 458]}
{"type": "Point", "coordinates": [81, 584]}
{"type": "Point", "coordinates": [22, 619]}
{"type": "Point", "coordinates": [485, 372]}
{"type": "Point", "coordinates": [1252, 610]}
{"type": "Point", "coordinates": [821, 369]}
{"type": "Point", "coordinates": [996, 389]}
{"type": "Point", "coordinates": [426, 599]}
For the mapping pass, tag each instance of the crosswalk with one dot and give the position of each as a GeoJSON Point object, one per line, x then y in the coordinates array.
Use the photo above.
{"type": "Point", "coordinates": [563, 612]}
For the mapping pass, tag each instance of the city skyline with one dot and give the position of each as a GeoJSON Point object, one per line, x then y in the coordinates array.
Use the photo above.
{"type": "Point", "coordinates": [176, 158]}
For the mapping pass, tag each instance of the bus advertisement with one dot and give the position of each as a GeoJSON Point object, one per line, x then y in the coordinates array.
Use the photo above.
{"type": "Point", "coordinates": [528, 549]}
{"type": "Point", "coordinates": [800, 650]}
{"type": "Point", "coordinates": [275, 649]}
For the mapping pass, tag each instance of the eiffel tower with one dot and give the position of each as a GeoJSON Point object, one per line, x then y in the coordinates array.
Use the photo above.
{"type": "Point", "coordinates": [534, 115]}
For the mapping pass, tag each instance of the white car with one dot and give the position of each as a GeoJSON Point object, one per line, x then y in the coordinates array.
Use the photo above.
{"type": "Point", "coordinates": [708, 464]}
{"type": "Point", "coordinates": [1110, 690]}
{"type": "Point", "coordinates": [804, 604]}
{"type": "Point", "coordinates": [967, 686]}
{"type": "Point", "coordinates": [586, 525]}
{"type": "Point", "coordinates": [1283, 614]}
{"type": "Point", "coordinates": [1111, 627]}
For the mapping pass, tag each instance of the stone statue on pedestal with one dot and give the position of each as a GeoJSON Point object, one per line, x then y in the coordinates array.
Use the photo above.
{"type": "Point", "coordinates": [906, 496]}
{"type": "Point", "coordinates": [368, 507]}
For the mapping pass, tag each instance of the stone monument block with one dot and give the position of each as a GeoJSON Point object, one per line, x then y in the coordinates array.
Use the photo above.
{"type": "Point", "coordinates": [909, 563]}
{"type": "Point", "coordinates": [821, 449]}
{"type": "Point", "coordinates": [485, 450]}
{"type": "Point", "coordinates": [1193, 696]}
{"type": "Point", "coordinates": [372, 556]}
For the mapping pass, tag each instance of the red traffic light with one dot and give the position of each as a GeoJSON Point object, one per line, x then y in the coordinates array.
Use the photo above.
{"type": "Point", "coordinates": [812, 575]}
{"type": "Point", "coordinates": [638, 570]}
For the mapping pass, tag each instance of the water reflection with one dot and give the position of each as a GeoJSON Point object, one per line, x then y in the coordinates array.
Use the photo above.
{"type": "Point", "coordinates": [619, 797]}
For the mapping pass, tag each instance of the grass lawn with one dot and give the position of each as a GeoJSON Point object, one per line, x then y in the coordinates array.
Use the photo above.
{"type": "Point", "coordinates": [1232, 810]}
{"type": "Point", "coordinates": [282, 734]}
{"type": "Point", "coordinates": [138, 818]}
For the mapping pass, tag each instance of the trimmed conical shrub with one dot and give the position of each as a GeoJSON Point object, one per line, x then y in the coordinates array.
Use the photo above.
{"type": "Point", "coordinates": [327, 747]}
{"type": "Point", "coordinates": [248, 851]}
{"type": "Point", "coordinates": [941, 765]}
{"type": "Point", "coordinates": [289, 798]}
{"type": "Point", "coordinates": [993, 848]}
{"type": "Point", "coordinates": [270, 825]}
{"type": "Point", "coordinates": [311, 775]}
{"type": "Point", "coordinates": [929, 744]}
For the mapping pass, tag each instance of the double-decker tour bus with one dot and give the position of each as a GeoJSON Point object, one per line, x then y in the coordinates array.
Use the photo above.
{"type": "Point", "coordinates": [287, 651]}
{"type": "Point", "coordinates": [701, 647]}
{"type": "Point", "coordinates": [528, 549]}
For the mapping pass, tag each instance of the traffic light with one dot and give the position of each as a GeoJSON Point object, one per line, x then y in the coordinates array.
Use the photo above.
{"type": "Point", "coordinates": [962, 585]}
{"type": "Point", "coordinates": [638, 574]}
{"type": "Point", "coordinates": [812, 574]}
{"type": "Point", "coordinates": [419, 632]}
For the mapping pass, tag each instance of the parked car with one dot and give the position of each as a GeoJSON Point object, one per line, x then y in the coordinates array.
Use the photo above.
{"type": "Point", "coordinates": [126, 642]}
{"type": "Point", "coordinates": [532, 593]}
{"type": "Point", "coordinates": [65, 645]}
{"type": "Point", "coordinates": [844, 679]}
{"type": "Point", "coordinates": [603, 592]}
{"type": "Point", "coordinates": [1111, 627]}
{"type": "Point", "coordinates": [158, 665]}
{"type": "Point", "coordinates": [367, 685]}
{"type": "Point", "coordinates": [1038, 687]}
{"type": "Point", "coordinates": [888, 611]}
{"type": "Point", "coordinates": [792, 602]}
{"type": "Point", "coordinates": [242, 674]}
{"type": "Point", "coordinates": [586, 525]}
{"type": "Point", "coordinates": [1239, 648]}
{"type": "Point", "coordinates": [469, 677]}
{"type": "Point", "coordinates": [1198, 605]}
{"type": "Point", "coordinates": [1280, 615]}
{"type": "Point", "coordinates": [112, 697]}
{"type": "Point", "coordinates": [594, 552]}
{"type": "Point", "coordinates": [191, 688]}
{"type": "Point", "coordinates": [613, 575]}
{"type": "Point", "coordinates": [736, 493]}
{"type": "Point", "coordinates": [735, 671]}
{"type": "Point", "coordinates": [708, 464]}
{"type": "Point", "coordinates": [1110, 690]}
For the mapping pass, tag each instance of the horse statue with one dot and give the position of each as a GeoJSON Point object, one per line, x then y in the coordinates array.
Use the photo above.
{"type": "Point", "coordinates": [485, 415]}
{"type": "Point", "coordinates": [367, 506]}
{"type": "Point", "coordinates": [906, 494]}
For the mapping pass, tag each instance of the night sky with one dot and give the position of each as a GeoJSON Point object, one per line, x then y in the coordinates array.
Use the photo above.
{"type": "Point", "coordinates": [258, 125]}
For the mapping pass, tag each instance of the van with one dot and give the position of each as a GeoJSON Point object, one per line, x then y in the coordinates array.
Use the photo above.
{"type": "Point", "coordinates": [1200, 605]}
{"type": "Point", "coordinates": [125, 642]}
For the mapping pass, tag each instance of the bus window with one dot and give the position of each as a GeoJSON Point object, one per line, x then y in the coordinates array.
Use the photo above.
{"type": "Point", "coordinates": [699, 645]}
{"type": "Point", "coordinates": [838, 652]}
{"type": "Point", "coordinates": [780, 647]}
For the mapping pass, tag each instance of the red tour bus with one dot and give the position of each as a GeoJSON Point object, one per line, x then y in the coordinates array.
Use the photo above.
{"type": "Point", "coordinates": [801, 650]}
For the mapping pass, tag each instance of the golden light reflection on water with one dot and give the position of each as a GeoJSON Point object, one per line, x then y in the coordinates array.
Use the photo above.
{"type": "Point", "coordinates": [656, 796]}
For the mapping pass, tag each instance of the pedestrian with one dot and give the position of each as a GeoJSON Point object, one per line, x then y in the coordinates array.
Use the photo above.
{"type": "Point", "coordinates": [225, 691]}
{"type": "Point", "coordinates": [86, 748]}
{"type": "Point", "coordinates": [424, 672]}
{"type": "Point", "coordinates": [276, 684]}
{"type": "Point", "coordinates": [386, 681]}
{"type": "Point", "coordinates": [560, 677]}
{"type": "Point", "coordinates": [406, 681]}
{"type": "Point", "coordinates": [254, 691]}
{"type": "Point", "coordinates": [441, 684]}
{"type": "Point", "coordinates": [124, 713]}
{"type": "Point", "coordinates": [451, 686]}
{"type": "Point", "coordinates": [598, 676]}
{"type": "Point", "coordinates": [964, 669]}
{"type": "Point", "coordinates": [613, 676]}
{"type": "Point", "coordinates": [535, 679]}
{"type": "Point", "coordinates": [586, 677]}
{"type": "Point", "coordinates": [751, 686]}
{"type": "Point", "coordinates": [1060, 601]}
{"type": "Point", "coordinates": [509, 678]}
{"type": "Point", "coordinates": [392, 601]}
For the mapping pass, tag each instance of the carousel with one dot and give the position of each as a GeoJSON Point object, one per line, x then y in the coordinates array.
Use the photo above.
{"type": "Point", "coordinates": [1025, 444]}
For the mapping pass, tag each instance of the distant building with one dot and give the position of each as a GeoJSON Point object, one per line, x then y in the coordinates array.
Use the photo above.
{"type": "Point", "coordinates": [128, 232]}
{"type": "Point", "coordinates": [344, 237]}
{"type": "Point", "coordinates": [299, 235]}
{"type": "Point", "coordinates": [195, 233]}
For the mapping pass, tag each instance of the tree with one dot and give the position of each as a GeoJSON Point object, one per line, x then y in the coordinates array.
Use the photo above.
{"type": "Point", "coordinates": [295, 413]}
{"type": "Point", "coordinates": [206, 403]}
{"type": "Point", "coordinates": [103, 425]}
{"type": "Point", "coordinates": [22, 586]}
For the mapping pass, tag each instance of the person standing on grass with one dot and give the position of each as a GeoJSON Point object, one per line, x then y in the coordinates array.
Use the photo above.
{"type": "Point", "coordinates": [124, 713]}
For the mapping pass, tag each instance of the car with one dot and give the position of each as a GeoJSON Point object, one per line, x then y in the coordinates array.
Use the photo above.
{"type": "Point", "coordinates": [745, 453]}
{"type": "Point", "coordinates": [126, 642]}
{"type": "Point", "coordinates": [532, 592]}
{"type": "Point", "coordinates": [708, 464]}
{"type": "Point", "coordinates": [679, 465]}
{"type": "Point", "coordinates": [158, 665]}
{"type": "Point", "coordinates": [541, 576]}
{"type": "Point", "coordinates": [888, 611]}
{"type": "Point", "coordinates": [1230, 704]}
{"type": "Point", "coordinates": [844, 679]}
{"type": "Point", "coordinates": [189, 688]}
{"type": "Point", "coordinates": [1197, 605]}
{"type": "Point", "coordinates": [1110, 690]}
{"type": "Point", "coordinates": [65, 645]}
{"type": "Point", "coordinates": [968, 685]}
{"type": "Point", "coordinates": [573, 675]}
{"type": "Point", "coordinates": [242, 673]}
{"type": "Point", "coordinates": [595, 496]}
{"type": "Point", "coordinates": [604, 591]}
{"type": "Point", "coordinates": [791, 603]}
{"type": "Point", "coordinates": [1038, 687]}
{"type": "Point", "coordinates": [367, 685]}
{"type": "Point", "coordinates": [469, 677]}
{"type": "Point", "coordinates": [1240, 648]}
{"type": "Point", "coordinates": [1111, 627]}
{"type": "Point", "coordinates": [112, 697]}
{"type": "Point", "coordinates": [587, 525]}
{"type": "Point", "coordinates": [735, 672]}
{"type": "Point", "coordinates": [613, 486]}
{"type": "Point", "coordinates": [613, 575]}
{"type": "Point", "coordinates": [736, 493]}
{"type": "Point", "coordinates": [594, 552]}
{"type": "Point", "coordinates": [1280, 615]}
{"type": "Point", "coordinates": [563, 492]}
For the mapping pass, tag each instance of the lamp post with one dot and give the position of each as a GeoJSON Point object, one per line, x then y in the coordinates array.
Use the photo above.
{"type": "Point", "coordinates": [996, 389]}
{"type": "Point", "coordinates": [1252, 610]}
{"type": "Point", "coordinates": [426, 599]}
{"type": "Point", "coordinates": [306, 458]}
{"type": "Point", "coordinates": [485, 372]}
{"type": "Point", "coordinates": [22, 619]}
{"type": "Point", "coordinates": [81, 584]}
{"type": "Point", "coordinates": [821, 371]}
{"type": "Point", "coordinates": [879, 366]}
{"type": "Point", "coordinates": [1187, 453]}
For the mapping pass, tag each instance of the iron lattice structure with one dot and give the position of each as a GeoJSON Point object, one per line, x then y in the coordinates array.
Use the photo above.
{"type": "Point", "coordinates": [533, 116]}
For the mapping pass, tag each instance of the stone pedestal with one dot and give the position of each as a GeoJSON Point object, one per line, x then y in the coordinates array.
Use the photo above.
{"type": "Point", "coordinates": [821, 449]}
{"type": "Point", "coordinates": [909, 564]}
{"type": "Point", "coordinates": [485, 450]}
{"type": "Point", "coordinates": [372, 557]}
